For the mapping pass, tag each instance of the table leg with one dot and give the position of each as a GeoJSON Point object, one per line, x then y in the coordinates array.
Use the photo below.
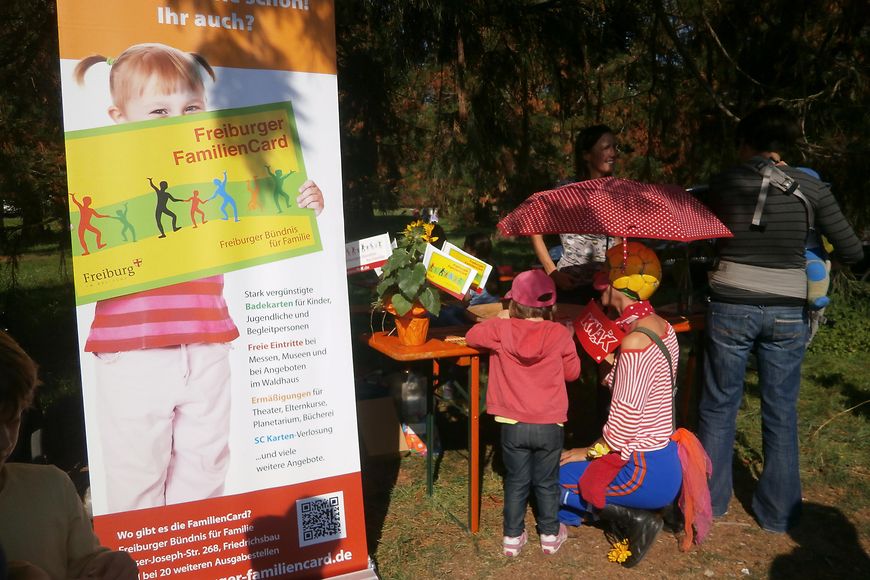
{"type": "Point", "coordinates": [474, 445]}
{"type": "Point", "coordinates": [430, 427]}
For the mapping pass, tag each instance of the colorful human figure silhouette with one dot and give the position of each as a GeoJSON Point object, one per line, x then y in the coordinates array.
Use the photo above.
{"type": "Point", "coordinates": [195, 202]}
{"type": "Point", "coordinates": [225, 196]}
{"type": "Point", "coordinates": [163, 198]}
{"type": "Point", "coordinates": [278, 187]}
{"type": "Point", "coordinates": [254, 202]}
{"type": "Point", "coordinates": [87, 213]}
{"type": "Point", "coordinates": [128, 227]}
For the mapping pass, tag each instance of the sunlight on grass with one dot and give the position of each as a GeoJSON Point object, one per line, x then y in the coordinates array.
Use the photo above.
{"type": "Point", "coordinates": [419, 538]}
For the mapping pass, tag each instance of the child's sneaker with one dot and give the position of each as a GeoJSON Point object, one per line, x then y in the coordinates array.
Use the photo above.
{"type": "Point", "coordinates": [550, 544]}
{"type": "Point", "coordinates": [512, 546]}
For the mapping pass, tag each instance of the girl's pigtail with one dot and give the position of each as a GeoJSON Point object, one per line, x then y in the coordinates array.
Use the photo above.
{"type": "Point", "coordinates": [86, 63]}
{"type": "Point", "coordinates": [204, 64]}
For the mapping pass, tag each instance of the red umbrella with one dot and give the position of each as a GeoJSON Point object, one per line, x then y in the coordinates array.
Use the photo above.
{"type": "Point", "coordinates": [616, 207]}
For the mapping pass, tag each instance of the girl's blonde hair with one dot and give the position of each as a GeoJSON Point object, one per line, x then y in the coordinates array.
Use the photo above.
{"type": "Point", "coordinates": [172, 68]}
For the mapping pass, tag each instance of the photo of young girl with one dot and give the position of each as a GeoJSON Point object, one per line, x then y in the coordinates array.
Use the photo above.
{"type": "Point", "coordinates": [161, 356]}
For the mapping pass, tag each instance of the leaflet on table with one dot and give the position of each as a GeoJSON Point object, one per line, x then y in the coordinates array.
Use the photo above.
{"type": "Point", "coordinates": [447, 273]}
{"type": "Point", "coordinates": [483, 269]}
{"type": "Point", "coordinates": [368, 253]}
{"type": "Point", "coordinates": [178, 199]}
{"type": "Point", "coordinates": [212, 306]}
{"type": "Point", "coordinates": [598, 335]}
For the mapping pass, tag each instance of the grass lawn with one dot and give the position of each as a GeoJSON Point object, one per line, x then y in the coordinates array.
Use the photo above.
{"type": "Point", "coordinates": [414, 536]}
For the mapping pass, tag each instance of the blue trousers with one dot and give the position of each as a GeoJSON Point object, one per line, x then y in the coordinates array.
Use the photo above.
{"type": "Point", "coordinates": [650, 480]}
{"type": "Point", "coordinates": [531, 459]}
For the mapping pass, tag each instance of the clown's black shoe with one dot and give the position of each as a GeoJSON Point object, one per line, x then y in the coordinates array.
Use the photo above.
{"type": "Point", "coordinates": [639, 527]}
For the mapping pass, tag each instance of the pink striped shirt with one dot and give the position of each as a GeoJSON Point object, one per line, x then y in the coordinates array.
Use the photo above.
{"type": "Point", "coordinates": [187, 313]}
{"type": "Point", "coordinates": [641, 409]}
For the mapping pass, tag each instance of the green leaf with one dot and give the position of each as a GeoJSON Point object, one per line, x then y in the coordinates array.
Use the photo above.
{"type": "Point", "coordinates": [431, 300]}
{"type": "Point", "coordinates": [401, 304]}
{"type": "Point", "coordinates": [385, 285]}
{"type": "Point", "coordinates": [410, 281]}
{"type": "Point", "coordinates": [398, 259]}
{"type": "Point", "coordinates": [420, 247]}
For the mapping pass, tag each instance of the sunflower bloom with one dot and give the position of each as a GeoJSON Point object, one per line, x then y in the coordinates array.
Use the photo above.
{"type": "Point", "coordinates": [427, 235]}
{"type": "Point", "coordinates": [414, 228]}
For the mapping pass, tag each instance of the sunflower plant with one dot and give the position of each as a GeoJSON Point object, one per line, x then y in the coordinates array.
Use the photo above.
{"type": "Point", "coordinates": [403, 279]}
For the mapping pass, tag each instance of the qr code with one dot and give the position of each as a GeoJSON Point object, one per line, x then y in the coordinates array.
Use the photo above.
{"type": "Point", "coordinates": [320, 519]}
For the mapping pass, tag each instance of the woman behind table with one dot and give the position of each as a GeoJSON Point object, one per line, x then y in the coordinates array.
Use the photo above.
{"type": "Point", "coordinates": [595, 155]}
{"type": "Point", "coordinates": [642, 470]}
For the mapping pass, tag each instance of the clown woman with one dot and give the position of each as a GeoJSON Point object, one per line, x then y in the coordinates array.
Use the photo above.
{"type": "Point", "coordinates": [633, 471]}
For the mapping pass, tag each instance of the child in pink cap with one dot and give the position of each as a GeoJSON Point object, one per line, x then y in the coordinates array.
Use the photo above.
{"type": "Point", "coordinates": [531, 358]}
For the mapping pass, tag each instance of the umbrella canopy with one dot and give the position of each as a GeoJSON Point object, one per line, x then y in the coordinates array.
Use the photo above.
{"type": "Point", "coordinates": [616, 207]}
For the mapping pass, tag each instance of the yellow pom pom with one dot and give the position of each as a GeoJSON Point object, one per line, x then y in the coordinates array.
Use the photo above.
{"type": "Point", "coordinates": [637, 272]}
{"type": "Point", "coordinates": [598, 450]}
{"type": "Point", "coordinates": [620, 552]}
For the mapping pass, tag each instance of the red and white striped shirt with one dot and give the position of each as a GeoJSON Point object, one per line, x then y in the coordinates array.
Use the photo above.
{"type": "Point", "coordinates": [186, 313]}
{"type": "Point", "coordinates": [642, 410]}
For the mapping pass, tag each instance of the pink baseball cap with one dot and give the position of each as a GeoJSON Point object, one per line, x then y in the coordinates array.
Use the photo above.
{"type": "Point", "coordinates": [533, 288]}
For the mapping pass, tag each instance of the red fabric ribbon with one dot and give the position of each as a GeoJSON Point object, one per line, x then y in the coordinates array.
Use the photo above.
{"type": "Point", "coordinates": [600, 473]}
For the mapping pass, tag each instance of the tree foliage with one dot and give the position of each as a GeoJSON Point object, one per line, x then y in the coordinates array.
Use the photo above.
{"type": "Point", "coordinates": [474, 103]}
{"type": "Point", "coordinates": [471, 105]}
{"type": "Point", "coordinates": [32, 170]}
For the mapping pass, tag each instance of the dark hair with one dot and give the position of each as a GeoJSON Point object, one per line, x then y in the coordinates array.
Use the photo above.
{"type": "Point", "coordinates": [518, 310]}
{"type": "Point", "coordinates": [769, 128]}
{"type": "Point", "coordinates": [479, 244]}
{"type": "Point", "coordinates": [583, 143]}
{"type": "Point", "coordinates": [439, 233]}
{"type": "Point", "coordinates": [17, 377]}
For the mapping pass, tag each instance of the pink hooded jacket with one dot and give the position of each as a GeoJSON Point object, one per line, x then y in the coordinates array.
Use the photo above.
{"type": "Point", "coordinates": [528, 367]}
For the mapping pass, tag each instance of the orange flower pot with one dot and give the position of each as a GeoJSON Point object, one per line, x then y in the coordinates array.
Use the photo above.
{"type": "Point", "coordinates": [413, 327]}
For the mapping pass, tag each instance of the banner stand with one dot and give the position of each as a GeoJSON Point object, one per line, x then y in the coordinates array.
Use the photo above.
{"type": "Point", "coordinates": [205, 195]}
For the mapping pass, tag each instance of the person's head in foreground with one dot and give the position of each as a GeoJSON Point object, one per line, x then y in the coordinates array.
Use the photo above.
{"type": "Point", "coordinates": [532, 296]}
{"type": "Point", "coordinates": [42, 496]}
{"type": "Point", "coordinates": [17, 385]}
{"type": "Point", "coordinates": [631, 273]}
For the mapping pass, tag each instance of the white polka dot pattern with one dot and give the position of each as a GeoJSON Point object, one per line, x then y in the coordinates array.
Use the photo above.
{"type": "Point", "coordinates": [616, 207]}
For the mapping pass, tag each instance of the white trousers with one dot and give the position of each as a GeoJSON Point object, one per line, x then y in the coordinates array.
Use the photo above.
{"type": "Point", "coordinates": [164, 418]}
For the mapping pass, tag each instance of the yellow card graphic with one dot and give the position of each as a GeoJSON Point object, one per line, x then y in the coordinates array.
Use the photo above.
{"type": "Point", "coordinates": [447, 273]}
{"type": "Point", "coordinates": [483, 269]}
{"type": "Point", "coordinates": [171, 200]}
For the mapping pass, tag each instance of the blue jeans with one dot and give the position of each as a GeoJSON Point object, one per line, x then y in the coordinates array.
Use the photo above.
{"type": "Point", "coordinates": [531, 458]}
{"type": "Point", "coordinates": [779, 335]}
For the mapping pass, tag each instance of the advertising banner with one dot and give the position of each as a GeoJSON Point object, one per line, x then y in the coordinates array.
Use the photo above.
{"type": "Point", "coordinates": [205, 198]}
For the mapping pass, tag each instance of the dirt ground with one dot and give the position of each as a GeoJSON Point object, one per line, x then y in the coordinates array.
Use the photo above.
{"type": "Point", "coordinates": [412, 536]}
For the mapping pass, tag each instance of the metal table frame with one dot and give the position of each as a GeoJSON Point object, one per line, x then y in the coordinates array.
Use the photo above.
{"type": "Point", "coordinates": [436, 349]}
